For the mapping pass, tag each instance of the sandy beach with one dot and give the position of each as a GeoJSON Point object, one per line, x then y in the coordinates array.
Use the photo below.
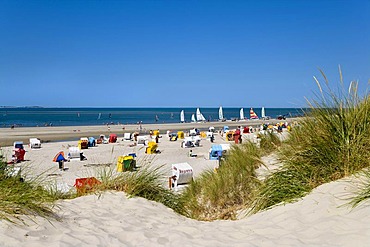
{"type": "Point", "coordinates": [111, 219]}
{"type": "Point", "coordinates": [62, 133]}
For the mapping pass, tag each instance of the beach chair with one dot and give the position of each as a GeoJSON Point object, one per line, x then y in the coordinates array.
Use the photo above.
{"type": "Point", "coordinates": [74, 152]}
{"type": "Point", "coordinates": [18, 144]}
{"type": "Point", "coordinates": [193, 132]}
{"type": "Point", "coordinates": [180, 134]}
{"type": "Point", "coordinates": [173, 136]}
{"type": "Point", "coordinates": [142, 140]}
{"type": "Point", "coordinates": [187, 143]}
{"type": "Point", "coordinates": [92, 142]}
{"type": "Point", "coordinates": [102, 139]}
{"type": "Point", "coordinates": [84, 185]}
{"type": "Point", "coordinates": [127, 136]}
{"type": "Point", "coordinates": [112, 138]}
{"type": "Point", "coordinates": [215, 152]}
{"type": "Point", "coordinates": [155, 132]}
{"type": "Point", "coordinates": [83, 143]}
{"type": "Point", "coordinates": [182, 173]}
{"type": "Point", "coordinates": [35, 143]}
{"type": "Point", "coordinates": [230, 136]}
{"type": "Point", "coordinates": [126, 163]}
{"type": "Point", "coordinates": [18, 155]}
{"type": "Point", "coordinates": [196, 141]}
{"type": "Point", "coordinates": [152, 148]}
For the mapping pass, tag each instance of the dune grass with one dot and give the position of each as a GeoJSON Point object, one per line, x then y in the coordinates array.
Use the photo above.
{"type": "Point", "coordinates": [269, 142]}
{"type": "Point", "coordinates": [147, 182]}
{"type": "Point", "coordinates": [362, 195]}
{"type": "Point", "coordinates": [219, 195]}
{"type": "Point", "coordinates": [18, 197]}
{"type": "Point", "coordinates": [332, 142]}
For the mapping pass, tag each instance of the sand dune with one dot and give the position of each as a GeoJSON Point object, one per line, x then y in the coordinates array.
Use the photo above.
{"type": "Point", "coordinates": [113, 220]}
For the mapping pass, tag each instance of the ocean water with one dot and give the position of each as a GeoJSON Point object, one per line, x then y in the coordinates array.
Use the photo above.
{"type": "Point", "coordinates": [31, 117]}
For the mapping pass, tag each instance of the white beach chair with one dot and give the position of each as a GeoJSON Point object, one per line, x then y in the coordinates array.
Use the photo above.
{"type": "Point", "coordinates": [182, 173]}
{"type": "Point", "coordinates": [127, 136]}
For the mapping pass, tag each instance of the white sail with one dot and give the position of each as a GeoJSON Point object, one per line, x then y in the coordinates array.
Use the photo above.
{"type": "Point", "coordinates": [193, 118]}
{"type": "Point", "coordinates": [200, 116]}
{"type": "Point", "coordinates": [241, 114]}
{"type": "Point", "coordinates": [220, 113]}
{"type": "Point", "coordinates": [182, 116]}
{"type": "Point", "coordinates": [263, 114]}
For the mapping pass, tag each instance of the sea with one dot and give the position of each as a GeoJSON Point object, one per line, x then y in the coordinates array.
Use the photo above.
{"type": "Point", "coordinates": [39, 116]}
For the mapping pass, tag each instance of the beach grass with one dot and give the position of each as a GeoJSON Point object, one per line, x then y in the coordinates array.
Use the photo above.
{"type": "Point", "coordinates": [362, 195]}
{"type": "Point", "coordinates": [220, 194]}
{"type": "Point", "coordinates": [331, 142]}
{"type": "Point", "coordinates": [23, 197]}
{"type": "Point", "coordinates": [269, 142]}
{"type": "Point", "coordinates": [146, 181]}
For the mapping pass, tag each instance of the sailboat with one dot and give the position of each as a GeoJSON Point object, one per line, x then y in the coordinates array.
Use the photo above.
{"type": "Point", "coordinates": [220, 114]}
{"type": "Point", "coordinates": [252, 114]}
{"type": "Point", "coordinates": [241, 114]}
{"type": "Point", "coordinates": [182, 116]}
{"type": "Point", "coordinates": [200, 116]}
{"type": "Point", "coordinates": [193, 118]}
{"type": "Point", "coordinates": [263, 115]}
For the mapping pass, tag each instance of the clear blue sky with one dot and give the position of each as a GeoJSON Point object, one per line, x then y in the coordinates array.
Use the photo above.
{"type": "Point", "coordinates": [178, 53]}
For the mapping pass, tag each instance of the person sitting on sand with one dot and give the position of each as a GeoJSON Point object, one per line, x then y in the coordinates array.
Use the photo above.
{"type": "Point", "coordinates": [191, 153]}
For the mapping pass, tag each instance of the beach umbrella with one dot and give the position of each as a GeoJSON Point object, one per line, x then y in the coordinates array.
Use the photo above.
{"type": "Point", "coordinates": [59, 157]}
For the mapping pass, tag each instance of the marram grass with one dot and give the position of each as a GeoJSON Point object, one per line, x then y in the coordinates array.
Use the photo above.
{"type": "Point", "coordinates": [362, 195]}
{"type": "Point", "coordinates": [269, 142]}
{"type": "Point", "coordinates": [331, 142]}
{"type": "Point", "coordinates": [220, 194]}
{"type": "Point", "coordinates": [26, 197]}
{"type": "Point", "coordinates": [146, 182]}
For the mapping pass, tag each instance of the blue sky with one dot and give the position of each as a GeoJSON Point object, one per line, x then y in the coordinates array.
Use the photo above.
{"type": "Point", "coordinates": [178, 53]}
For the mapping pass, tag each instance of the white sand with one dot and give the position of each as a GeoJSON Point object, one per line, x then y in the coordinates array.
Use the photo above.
{"type": "Point", "coordinates": [114, 220]}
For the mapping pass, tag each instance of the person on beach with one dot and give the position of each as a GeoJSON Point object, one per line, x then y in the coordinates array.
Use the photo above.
{"type": "Point", "coordinates": [61, 164]}
{"type": "Point", "coordinates": [237, 135]}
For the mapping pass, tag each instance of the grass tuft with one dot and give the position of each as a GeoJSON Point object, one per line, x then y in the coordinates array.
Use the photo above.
{"type": "Point", "coordinates": [269, 142]}
{"type": "Point", "coordinates": [331, 142]}
{"type": "Point", "coordinates": [146, 182]}
{"type": "Point", "coordinates": [219, 195]}
{"type": "Point", "coordinates": [363, 193]}
{"type": "Point", "coordinates": [23, 197]}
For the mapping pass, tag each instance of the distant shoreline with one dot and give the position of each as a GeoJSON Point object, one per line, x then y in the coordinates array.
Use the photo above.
{"type": "Point", "coordinates": [60, 133]}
